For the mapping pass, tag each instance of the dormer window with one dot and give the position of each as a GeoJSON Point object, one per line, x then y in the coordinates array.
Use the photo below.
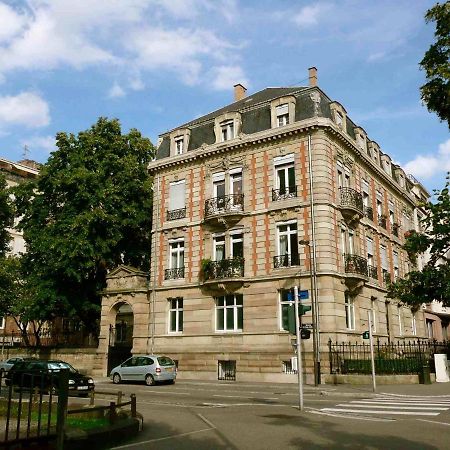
{"type": "Point", "coordinates": [339, 115]}
{"type": "Point", "coordinates": [179, 141]}
{"type": "Point", "coordinates": [227, 130]}
{"type": "Point", "coordinates": [282, 112]}
{"type": "Point", "coordinates": [339, 119]}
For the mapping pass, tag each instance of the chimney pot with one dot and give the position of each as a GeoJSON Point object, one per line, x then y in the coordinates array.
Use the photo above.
{"type": "Point", "coordinates": [312, 76]}
{"type": "Point", "coordinates": [240, 92]}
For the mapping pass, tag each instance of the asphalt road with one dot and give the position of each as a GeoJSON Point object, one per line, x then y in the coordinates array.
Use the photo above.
{"type": "Point", "coordinates": [225, 415]}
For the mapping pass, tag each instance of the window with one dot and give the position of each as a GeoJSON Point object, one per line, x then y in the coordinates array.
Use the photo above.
{"type": "Point", "coordinates": [365, 193]}
{"type": "Point", "coordinates": [219, 247]}
{"type": "Point", "coordinates": [400, 320]}
{"type": "Point", "coordinates": [429, 325]}
{"type": "Point", "coordinates": [287, 245]}
{"type": "Point", "coordinates": [227, 130]}
{"type": "Point", "coordinates": [445, 331]}
{"type": "Point", "coordinates": [236, 188]}
{"type": "Point", "coordinates": [339, 118]}
{"type": "Point", "coordinates": [282, 112]}
{"type": "Point", "coordinates": [396, 269]}
{"type": "Point", "coordinates": [229, 313]}
{"type": "Point", "coordinates": [175, 315]}
{"type": "Point", "coordinates": [177, 254]}
{"type": "Point", "coordinates": [177, 198]}
{"type": "Point", "coordinates": [413, 324]}
{"type": "Point", "coordinates": [343, 174]}
{"type": "Point", "coordinates": [369, 242]}
{"type": "Point", "coordinates": [384, 262]}
{"type": "Point", "coordinates": [2, 323]}
{"type": "Point", "coordinates": [391, 212]}
{"type": "Point", "coordinates": [179, 144]}
{"type": "Point", "coordinates": [285, 186]}
{"type": "Point", "coordinates": [349, 312]}
{"type": "Point", "coordinates": [373, 314]}
{"type": "Point", "coordinates": [362, 141]}
{"type": "Point", "coordinates": [285, 304]}
{"type": "Point", "coordinates": [347, 241]}
{"type": "Point", "coordinates": [237, 245]}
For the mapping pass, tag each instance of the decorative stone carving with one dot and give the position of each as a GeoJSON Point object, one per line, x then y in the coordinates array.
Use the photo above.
{"type": "Point", "coordinates": [315, 97]}
{"type": "Point", "coordinates": [346, 158]}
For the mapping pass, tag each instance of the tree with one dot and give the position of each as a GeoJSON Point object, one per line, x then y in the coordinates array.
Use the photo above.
{"type": "Point", "coordinates": [436, 92]}
{"type": "Point", "coordinates": [89, 210]}
{"type": "Point", "coordinates": [6, 216]}
{"type": "Point", "coordinates": [433, 282]}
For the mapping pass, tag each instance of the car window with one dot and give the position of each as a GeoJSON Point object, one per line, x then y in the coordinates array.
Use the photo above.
{"type": "Point", "coordinates": [132, 362]}
{"type": "Point", "coordinates": [58, 365]}
{"type": "Point", "coordinates": [145, 361]}
{"type": "Point", "coordinates": [165, 361]}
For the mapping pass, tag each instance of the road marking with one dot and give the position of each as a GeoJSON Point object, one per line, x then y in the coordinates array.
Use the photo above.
{"type": "Point", "coordinates": [346, 416]}
{"type": "Point", "coordinates": [206, 421]}
{"type": "Point", "coordinates": [386, 394]}
{"type": "Point", "coordinates": [401, 403]}
{"type": "Point", "coordinates": [240, 396]}
{"type": "Point", "coordinates": [397, 407]}
{"type": "Point", "coordinates": [162, 439]}
{"type": "Point", "coordinates": [434, 421]}
{"type": "Point", "coordinates": [368, 411]}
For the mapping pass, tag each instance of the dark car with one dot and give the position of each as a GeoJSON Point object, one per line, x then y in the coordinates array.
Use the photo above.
{"type": "Point", "coordinates": [44, 375]}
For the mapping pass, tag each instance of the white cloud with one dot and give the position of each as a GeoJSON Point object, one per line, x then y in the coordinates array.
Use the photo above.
{"type": "Point", "coordinates": [46, 143]}
{"type": "Point", "coordinates": [27, 109]}
{"type": "Point", "coordinates": [225, 77]}
{"type": "Point", "coordinates": [427, 166]}
{"type": "Point", "coordinates": [116, 91]}
{"type": "Point", "coordinates": [309, 15]}
{"type": "Point", "coordinates": [10, 22]}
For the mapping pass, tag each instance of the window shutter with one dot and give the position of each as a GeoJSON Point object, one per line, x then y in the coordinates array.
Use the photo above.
{"type": "Point", "coordinates": [282, 109]}
{"type": "Point", "coordinates": [384, 263]}
{"type": "Point", "coordinates": [177, 195]}
{"type": "Point", "coordinates": [369, 246]}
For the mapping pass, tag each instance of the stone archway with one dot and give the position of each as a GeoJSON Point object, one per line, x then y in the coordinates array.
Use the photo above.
{"type": "Point", "coordinates": [124, 318]}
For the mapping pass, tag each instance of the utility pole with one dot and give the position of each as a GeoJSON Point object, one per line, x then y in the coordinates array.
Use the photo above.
{"type": "Point", "coordinates": [374, 383]}
{"type": "Point", "coordinates": [299, 351]}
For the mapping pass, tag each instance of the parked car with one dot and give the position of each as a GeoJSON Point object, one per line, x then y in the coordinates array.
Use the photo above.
{"type": "Point", "coordinates": [148, 368]}
{"type": "Point", "coordinates": [8, 363]}
{"type": "Point", "coordinates": [43, 374]}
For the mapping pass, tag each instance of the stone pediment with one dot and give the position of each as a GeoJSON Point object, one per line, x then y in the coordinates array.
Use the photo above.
{"type": "Point", "coordinates": [126, 278]}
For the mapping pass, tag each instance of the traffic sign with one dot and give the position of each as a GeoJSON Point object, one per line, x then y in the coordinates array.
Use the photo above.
{"type": "Point", "coordinates": [307, 326]}
{"type": "Point", "coordinates": [303, 295]}
{"type": "Point", "coordinates": [366, 335]}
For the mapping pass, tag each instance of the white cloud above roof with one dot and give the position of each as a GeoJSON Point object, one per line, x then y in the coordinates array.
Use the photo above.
{"type": "Point", "coordinates": [27, 109]}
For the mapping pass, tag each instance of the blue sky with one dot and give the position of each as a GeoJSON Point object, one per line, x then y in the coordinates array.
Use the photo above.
{"type": "Point", "coordinates": [155, 64]}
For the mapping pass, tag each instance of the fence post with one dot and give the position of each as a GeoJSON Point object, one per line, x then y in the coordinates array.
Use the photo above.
{"type": "Point", "coordinates": [61, 412]}
{"type": "Point", "coordinates": [92, 398]}
{"type": "Point", "coordinates": [112, 412]}
{"type": "Point", "coordinates": [330, 356]}
{"type": "Point", "coordinates": [133, 405]}
{"type": "Point", "coordinates": [119, 397]}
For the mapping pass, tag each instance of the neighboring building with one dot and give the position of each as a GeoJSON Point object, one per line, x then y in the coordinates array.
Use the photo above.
{"type": "Point", "coordinates": [16, 173]}
{"type": "Point", "coordinates": [235, 228]}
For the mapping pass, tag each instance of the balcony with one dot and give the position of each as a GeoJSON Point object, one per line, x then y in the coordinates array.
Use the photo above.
{"type": "Point", "coordinates": [229, 209]}
{"type": "Point", "coordinates": [382, 221]}
{"type": "Point", "coordinates": [223, 269]}
{"type": "Point", "coordinates": [356, 271]}
{"type": "Point", "coordinates": [351, 204]}
{"type": "Point", "coordinates": [174, 274]}
{"type": "Point", "coordinates": [286, 260]}
{"type": "Point", "coordinates": [176, 214]}
{"type": "Point", "coordinates": [368, 212]}
{"type": "Point", "coordinates": [284, 194]}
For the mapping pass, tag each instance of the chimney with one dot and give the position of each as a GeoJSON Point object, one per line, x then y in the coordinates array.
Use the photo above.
{"type": "Point", "coordinates": [312, 76]}
{"type": "Point", "coordinates": [240, 92]}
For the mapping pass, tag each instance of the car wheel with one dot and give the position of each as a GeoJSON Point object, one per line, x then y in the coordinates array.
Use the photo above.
{"type": "Point", "coordinates": [149, 380]}
{"type": "Point", "coordinates": [171, 381]}
{"type": "Point", "coordinates": [116, 378]}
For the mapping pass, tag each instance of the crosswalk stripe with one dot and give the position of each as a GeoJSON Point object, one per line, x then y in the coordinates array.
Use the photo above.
{"type": "Point", "coordinates": [397, 407]}
{"type": "Point", "coordinates": [368, 411]}
{"type": "Point", "coordinates": [401, 403]}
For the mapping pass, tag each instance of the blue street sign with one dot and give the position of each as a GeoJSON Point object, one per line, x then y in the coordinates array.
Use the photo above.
{"type": "Point", "coordinates": [303, 295]}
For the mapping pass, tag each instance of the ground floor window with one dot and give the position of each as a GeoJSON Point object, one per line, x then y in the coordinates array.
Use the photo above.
{"type": "Point", "coordinates": [2, 323]}
{"type": "Point", "coordinates": [349, 312]}
{"type": "Point", "coordinates": [176, 315]}
{"type": "Point", "coordinates": [290, 366]}
{"type": "Point", "coordinates": [429, 324]}
{"type": "Point", "coordinates": [229, 313]}
{"type": "Point", "coordinates": [226, 370]}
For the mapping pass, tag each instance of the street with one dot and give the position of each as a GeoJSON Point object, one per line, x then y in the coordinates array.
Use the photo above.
{"type": "Point", "coordinates": [226, 415]}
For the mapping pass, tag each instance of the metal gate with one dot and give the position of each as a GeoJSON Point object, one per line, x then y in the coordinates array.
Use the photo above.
{"type": "Point", "coordinates": [120, 345]}
{"type": "Point", "coordinates": [227, 370]}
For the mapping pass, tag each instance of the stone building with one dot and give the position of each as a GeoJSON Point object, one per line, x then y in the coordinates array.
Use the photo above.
{"type": "Point", "coordinates": [276, 190]}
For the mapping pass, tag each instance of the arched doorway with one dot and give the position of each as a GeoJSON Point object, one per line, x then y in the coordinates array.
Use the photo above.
{"type": "Point", "coordinates": [120, 335]}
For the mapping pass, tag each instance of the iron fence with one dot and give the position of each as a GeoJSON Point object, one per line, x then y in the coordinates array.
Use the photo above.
{"type": "Point", "coordinates": [286, 260]}
{"type": "Point", "coordinates": [284, 193]}
{"type": "Point", "coordinates": [225, 204]}
{"type": "Point", "coordinates": [351, 198]}
{"type": "Point", "coordinates": [355, 264]}
{"type": "Point", "coordinates": [403, 357]}
{"type": "Point", "coordinates": [174, 274]}
{"type": "Point", "coordinates": [176, 214]}
{"type": "Point", "coordinates": [225, 268]}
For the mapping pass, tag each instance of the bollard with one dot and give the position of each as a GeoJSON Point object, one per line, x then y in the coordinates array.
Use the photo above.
{"type": "Point", "coordinates": [91, 398]}
{"type": "Point", "coordinates": [119, 397]}
{"type": "Point", "coordinates": [133, 405]}
{"type": "Point", "coordinates": [112, 412]}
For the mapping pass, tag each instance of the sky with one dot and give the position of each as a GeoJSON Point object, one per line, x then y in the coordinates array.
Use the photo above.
{"type": "Point", "coordinates": [156, 64]}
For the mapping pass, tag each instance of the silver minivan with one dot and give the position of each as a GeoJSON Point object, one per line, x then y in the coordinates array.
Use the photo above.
{"type": "Point", "coordinates": [149, 368]}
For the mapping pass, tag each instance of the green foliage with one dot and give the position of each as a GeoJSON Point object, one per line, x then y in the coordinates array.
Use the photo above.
{"type": "Point", "coordinates": [89, 211]}
{"type": "Point", "coordinates": [6, 216]}
{"type": "Point", "coordinates": [205, 269]}
{"type": "Point", "coordinates": [433, 282]}
{"type": "Point", "coordinates": [436, 92]}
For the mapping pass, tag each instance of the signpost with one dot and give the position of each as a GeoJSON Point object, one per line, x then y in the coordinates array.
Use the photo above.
{"type": "Point", "coordinates": [299, 352]}
{"type": "Point", "coordinates": [374, 384]}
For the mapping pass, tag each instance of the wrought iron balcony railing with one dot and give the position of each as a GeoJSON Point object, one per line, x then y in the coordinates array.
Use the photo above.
{"type": "Point", "coordinates": [355, 264]}
{"type": "Point", "coordinates": [368, 212]}
{"type": "Point", "coordinates": [227, 203]}
{"type": "Point", "coordinates": [175, 214]}
{"type": "Point", "coordinates": [286, 260]}
{"type": "Point", "coordinates": [174, 274]}
{"type": "Point", "coordinates": [283, 194]}
{"type": "Point", "coordinates": [382, 221]}
{"type": "Point", "coordinates": [225, 268]}
{"type": "Point", "coordinates": [351, 198]}
{"type": "Point", "coordinates": [372, 271]}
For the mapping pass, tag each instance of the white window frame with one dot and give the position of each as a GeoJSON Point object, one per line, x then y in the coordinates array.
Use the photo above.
{"type": "Point", "coordinates": [290, 231]}
{"type": "Point", "coordinates": [282, 114]}
{"type": "Point", "coordinates": [235, 307]}
{"type": "Point", "coordinates": [413, 324]}
{"type": "Point", "coordinates": [343, 175]}
{"type": "Point", "coordinates": [176, 249]}
{"type": "Point", "coordinates": [219, 239]}
{"type": "Point", "coordinates": [396, 265]}
{"type": "Point", "coordinates": [365, 193]}
{"type": "Point", "coordinates": [2, 322]}
{"type": "Point", "coordinates": [370, 251]}
{"type": "Point", "coordinates": [177, 311]}
{"type": "Point", "coordinates": [282, 166]}
{"type": "Point", "coordinates": [429, 325]}
{"type": "Point", "coordinates": [236, 237]}
{"type": "Point", "coordinates": [391, 212]}
{"type": "Point", "coordinates": [400, 320]}
{"type": "Point", "coordinates": [349, 303]}
{"type": "Point", "coordinates": [179, 145]}
{"type": "Point", "coordinates": [227, 130]}
{"type": "Point", "coordinates": [173, 185]}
